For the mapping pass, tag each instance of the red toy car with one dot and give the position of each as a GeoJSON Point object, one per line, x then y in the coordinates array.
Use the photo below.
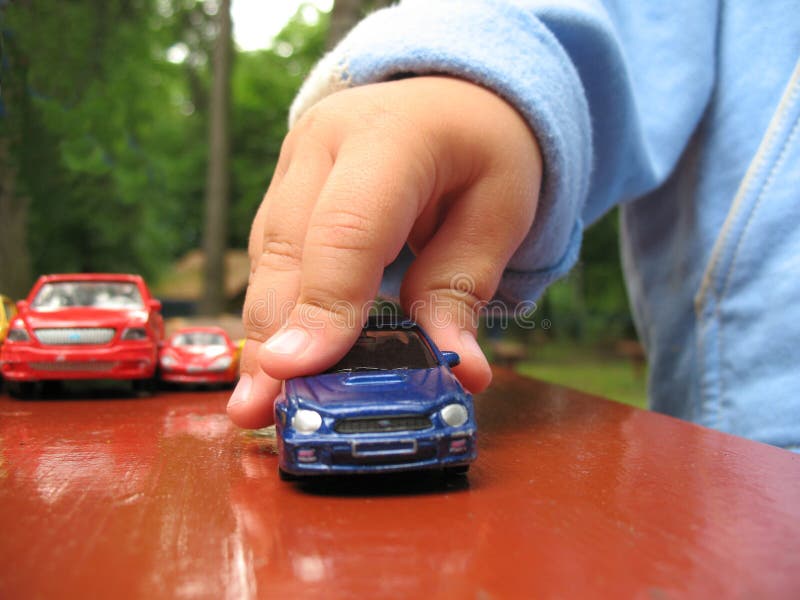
{"type": "Point", "coordinates": [83, 326]}
{"type": "Point", "coordinates": [199, 355]}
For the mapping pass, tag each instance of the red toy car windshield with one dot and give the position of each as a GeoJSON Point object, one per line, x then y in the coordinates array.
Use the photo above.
{"type": "Point", "coordinates": [198, 338]}
{"type": "Point", "coordinates": [386, 349]}
{"type": "Point", "coordinates": [113, 295]}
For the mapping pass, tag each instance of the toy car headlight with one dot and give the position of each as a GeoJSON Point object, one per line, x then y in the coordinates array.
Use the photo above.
{"type": "Point", "coordinates": [17, 333]}
{"type": "Point", "coordinates": [306, 421]}
{"type": "Point", "coordinates": [168, 361]}
{"type": "Point", "coordinates": [454, 414]}
{"type": "Point", "coordinates": [134, 333]}
{"type": "Point", "coordinates": [222, 363]}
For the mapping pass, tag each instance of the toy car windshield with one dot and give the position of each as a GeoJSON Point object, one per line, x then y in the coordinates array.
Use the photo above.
{"type": "Point", "coordinates": [386, 350]}
{"type": "Point", "coordinates": [94, 294]}
{"type": "Point", "coordinates": [199, 338]}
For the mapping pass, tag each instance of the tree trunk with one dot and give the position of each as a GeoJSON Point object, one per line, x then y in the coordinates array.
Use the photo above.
{"type": "Point", "coordinates": [218, 176]}
{"type": "Point", "coordinates": [345, 15]}
{"type": "Point", "coordinates": [15, 269]}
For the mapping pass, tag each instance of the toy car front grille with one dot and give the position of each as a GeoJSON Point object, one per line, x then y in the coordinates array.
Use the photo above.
{"type": "Point", "coordinates": [382, 424]}
{"type": "Point", "coordinates": [75, 336]}
{"type": "Point", "coordinates": [96, 366]}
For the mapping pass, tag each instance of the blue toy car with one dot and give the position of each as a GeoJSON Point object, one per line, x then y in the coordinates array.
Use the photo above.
{"type": "Point", "coordinates": [391, 404]}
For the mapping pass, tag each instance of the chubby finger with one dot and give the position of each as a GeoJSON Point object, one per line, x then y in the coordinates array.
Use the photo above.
{"type": "Point", "coordinates": [275, 249]}
{"type": "Point", "coordinates": [251, 404]}
{"type": "Point", "coordinates": [364, 214]}
{"type": "Point", "coordinates": [458, 270]}
{"type": "Point", "coordinates": [277, 238]}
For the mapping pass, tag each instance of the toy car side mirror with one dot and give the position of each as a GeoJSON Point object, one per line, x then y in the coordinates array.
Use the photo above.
{"type": "Point", "coordinates": [22, 305]}
{"type": "Point", "coordinates": [154, 304]}
{"type": "Point", "coordinates": [451, 359]}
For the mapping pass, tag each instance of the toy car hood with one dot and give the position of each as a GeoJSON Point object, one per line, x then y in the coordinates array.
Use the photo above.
{"type": "Point", "coordinates": [417, 390]}
{"type": "Point", "coordinates": [198, 354]}
{"type": "Point", "coordinates": [86, 317]}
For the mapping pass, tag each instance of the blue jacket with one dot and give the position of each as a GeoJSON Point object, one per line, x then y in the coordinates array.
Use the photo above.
{"type": "Point", "coordinates": [685, 112]}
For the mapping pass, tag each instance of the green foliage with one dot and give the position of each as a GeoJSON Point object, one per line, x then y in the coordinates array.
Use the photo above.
{"type": "Point", "coordinates": [591, 304]}
{"type": "Point", "coordinates": [615, 379]}
{"type": "Point", "coordinates": [93, 164]}
{"type": "Point", "coordinates": [264, 84]}
{"type": "Point", "coordinates": [111, 136]}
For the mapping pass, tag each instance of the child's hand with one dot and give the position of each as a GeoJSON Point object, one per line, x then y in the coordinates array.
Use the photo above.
{"type": "Point", "coordinates": [440, 163]}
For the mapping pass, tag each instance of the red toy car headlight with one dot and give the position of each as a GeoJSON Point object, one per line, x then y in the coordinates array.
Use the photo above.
{"type": "Point", "coordinates": [168, 361]}
{"type": "Point", "coordinates": [134, 334]}
{"type": "Point", "coordinates": [17, 333]}
{"type": "Point", "coordinates": [222, 363]}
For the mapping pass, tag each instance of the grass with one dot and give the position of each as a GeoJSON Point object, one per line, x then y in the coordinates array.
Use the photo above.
{"type": "Point", "coordinates": [589, 370]}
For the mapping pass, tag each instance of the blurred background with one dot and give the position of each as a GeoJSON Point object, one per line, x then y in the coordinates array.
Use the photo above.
{"type": "Point", "coordinates": [140, 135]}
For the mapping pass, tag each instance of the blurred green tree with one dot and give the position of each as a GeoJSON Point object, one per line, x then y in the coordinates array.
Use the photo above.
{"type": "Point", "coordinates": [93, 122]}
{"type": "Point", "coordinates": [103, 131]}
{"type": "Point", "coordinates": [264, 84]}
{"type": "Point", "coordinates": [591, 304]}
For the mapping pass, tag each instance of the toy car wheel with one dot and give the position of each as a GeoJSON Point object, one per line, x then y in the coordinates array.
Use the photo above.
{"type": "Point", "coordinates": [22, 390]}
{"type": "Point", "coordinates": [285, 476]}
{"type": "Point", "coordinates": [459, 470]}
{"type": "Point", "coordinates": [144, 387]}
{"type": "Point", "coordinates": [52, 387]}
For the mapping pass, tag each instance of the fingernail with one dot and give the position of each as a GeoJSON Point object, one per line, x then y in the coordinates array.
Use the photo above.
{"type": "Point", "coordinates": [470, 344]}
{"type": "Point", "coordinates": [288, 341]}
{"type": "Point", "coordinates": [241, 393]}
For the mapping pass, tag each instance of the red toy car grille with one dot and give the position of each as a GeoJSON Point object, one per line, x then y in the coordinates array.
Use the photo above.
{"type": "Point", "coordinates": [83, 365]}
{"type": "Point", "coordinates": [75, 336]}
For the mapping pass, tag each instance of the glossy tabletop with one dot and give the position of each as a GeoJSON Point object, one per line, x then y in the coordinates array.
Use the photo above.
{"type": "Point", "coordinates": [572, 496]}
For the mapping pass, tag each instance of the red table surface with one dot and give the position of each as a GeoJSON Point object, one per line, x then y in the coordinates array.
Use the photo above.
{"type": "Point", "coordinates": [572, 496]}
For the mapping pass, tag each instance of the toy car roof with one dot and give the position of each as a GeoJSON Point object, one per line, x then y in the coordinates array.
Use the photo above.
{"type": "Point", "coordinates": [128, 277]}
{"type": "Point", "coordinates": [201, 329]}
{"type": "Point", "coordinates": [389, 322]}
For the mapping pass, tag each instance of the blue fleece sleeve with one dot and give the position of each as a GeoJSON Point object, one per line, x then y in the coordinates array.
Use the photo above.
{"type": "Point", "coordinates": [612, 90]}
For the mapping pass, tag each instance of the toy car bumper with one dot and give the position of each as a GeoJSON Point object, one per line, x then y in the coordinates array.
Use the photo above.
{"type": "Point", "coordinates": [198, 376]}
{"type": "Point", "coordinates": [131, 361]}
{"type": "Point", "coordinates": [316, 456]}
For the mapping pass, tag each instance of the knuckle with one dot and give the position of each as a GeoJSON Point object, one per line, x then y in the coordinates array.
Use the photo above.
{"type": "Point", "coordinates": [288, 144]}
{"type": "Point", "coordinates": [316, 122]}
{"type": "Point", "coordinates": [332, 293]}
{"type": "Point", "coordinates": [377, 116]}
{"type": "Point", "coordinates": [255, 320]}
{"type": "Point", "coordinates": [311, 140]}
{"type": "Point", "coordinates": [343, 231]}
{"type": "Point", "coordinates": [261, 314]}
{"type": "Point", "coordinates": [445, 305]}
{"type": "Point", "coordinates": [319, 308]}
{"type": "Point", "coordinates": [255, 243]}
{"type": "Point", "coordinates": [466, 298]}
{"type": "Point", "coordinates": [285, 155]}
{"type": "Point", "coordinates": [279, 253]}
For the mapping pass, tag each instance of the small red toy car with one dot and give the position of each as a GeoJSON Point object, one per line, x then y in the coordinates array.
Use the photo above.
{"type": "Point", "coordinates": [199, 355]}
{"type": "Point", "coordinates": [83, 326]}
